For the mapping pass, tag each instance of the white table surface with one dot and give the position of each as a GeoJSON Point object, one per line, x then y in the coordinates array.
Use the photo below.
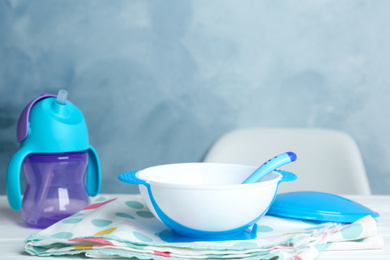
{"type": "Point", "coordinates": [13, 232]}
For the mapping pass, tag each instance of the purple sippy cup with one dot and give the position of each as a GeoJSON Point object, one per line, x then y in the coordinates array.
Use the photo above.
{"type": "Point", "coordinates": [56, 157]}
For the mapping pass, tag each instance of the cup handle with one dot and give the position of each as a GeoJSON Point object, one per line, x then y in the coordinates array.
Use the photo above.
{"type": "Point", "coordinates": [287, 176]}
{"type": "Point", "coordinates": [13, 178]}
{"type": "Point", "coordinates": [93, 173]}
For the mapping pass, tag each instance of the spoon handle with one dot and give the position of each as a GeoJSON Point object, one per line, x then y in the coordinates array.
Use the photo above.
{"type": "Point", "coordinates": [271, 165]}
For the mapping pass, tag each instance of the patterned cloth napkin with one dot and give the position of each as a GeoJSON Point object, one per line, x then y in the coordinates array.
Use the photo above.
{"type": "Point", "coordinates": [124, 227]}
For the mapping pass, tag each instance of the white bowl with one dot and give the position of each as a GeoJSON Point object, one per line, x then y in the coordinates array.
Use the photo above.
{"type": "Point", "coordinates": [206, 200]}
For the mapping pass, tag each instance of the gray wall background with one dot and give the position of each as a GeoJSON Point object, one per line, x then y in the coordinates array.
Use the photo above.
{"type": "Point", "coordinates": [159, 81]}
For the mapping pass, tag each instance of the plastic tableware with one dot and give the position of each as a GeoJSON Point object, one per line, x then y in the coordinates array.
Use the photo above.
{"type": "Point", "coordinates": [270, 166]}
{"type": "Point", "coordinates": [55, 187]}
{"type": "Point", "coordinates": [318, 206]}
{"type": "Point", "coordinates": [55, 154]}
{"type": "Point", "coordinates": [206, 201]}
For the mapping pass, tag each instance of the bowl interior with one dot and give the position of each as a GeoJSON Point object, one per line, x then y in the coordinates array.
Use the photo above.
{"type": "Point", "coordinates": [214, 174]}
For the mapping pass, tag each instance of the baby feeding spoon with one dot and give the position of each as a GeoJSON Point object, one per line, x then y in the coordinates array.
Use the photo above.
{"type": "Point", "coordinates": [270, 165]}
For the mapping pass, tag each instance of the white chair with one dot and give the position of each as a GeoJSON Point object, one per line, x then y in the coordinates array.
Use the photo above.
{"type": "Point", "coordinates": [327, 160]}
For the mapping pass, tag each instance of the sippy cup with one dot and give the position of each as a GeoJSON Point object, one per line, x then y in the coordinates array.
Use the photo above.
{"type": "Point", "coordinates": [55, 155]}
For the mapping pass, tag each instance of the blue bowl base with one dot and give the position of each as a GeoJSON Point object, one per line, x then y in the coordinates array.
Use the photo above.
{"type": "Point", "coordinates": [170, 236]}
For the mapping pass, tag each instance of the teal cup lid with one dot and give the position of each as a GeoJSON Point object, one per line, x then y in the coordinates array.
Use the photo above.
{"type": "Point", "coordinates": [51, 124]}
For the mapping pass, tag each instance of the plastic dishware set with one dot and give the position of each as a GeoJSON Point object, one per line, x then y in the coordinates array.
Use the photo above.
{"type": "Point", "coordinates": [196, 201]}
{"type": "Point", "coordinates": [215, 201]}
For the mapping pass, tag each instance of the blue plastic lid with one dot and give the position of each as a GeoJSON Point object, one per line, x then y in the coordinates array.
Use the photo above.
{"type": "Point", "coordinates": [318, 206]}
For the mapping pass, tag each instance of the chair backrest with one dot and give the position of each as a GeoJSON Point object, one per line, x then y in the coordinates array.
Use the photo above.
{"type": "Point", "coordinates": [327, 160]}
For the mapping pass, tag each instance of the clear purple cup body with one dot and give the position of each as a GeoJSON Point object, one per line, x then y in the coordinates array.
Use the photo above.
{"type": "Point", "coordinates": [55, 187]}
